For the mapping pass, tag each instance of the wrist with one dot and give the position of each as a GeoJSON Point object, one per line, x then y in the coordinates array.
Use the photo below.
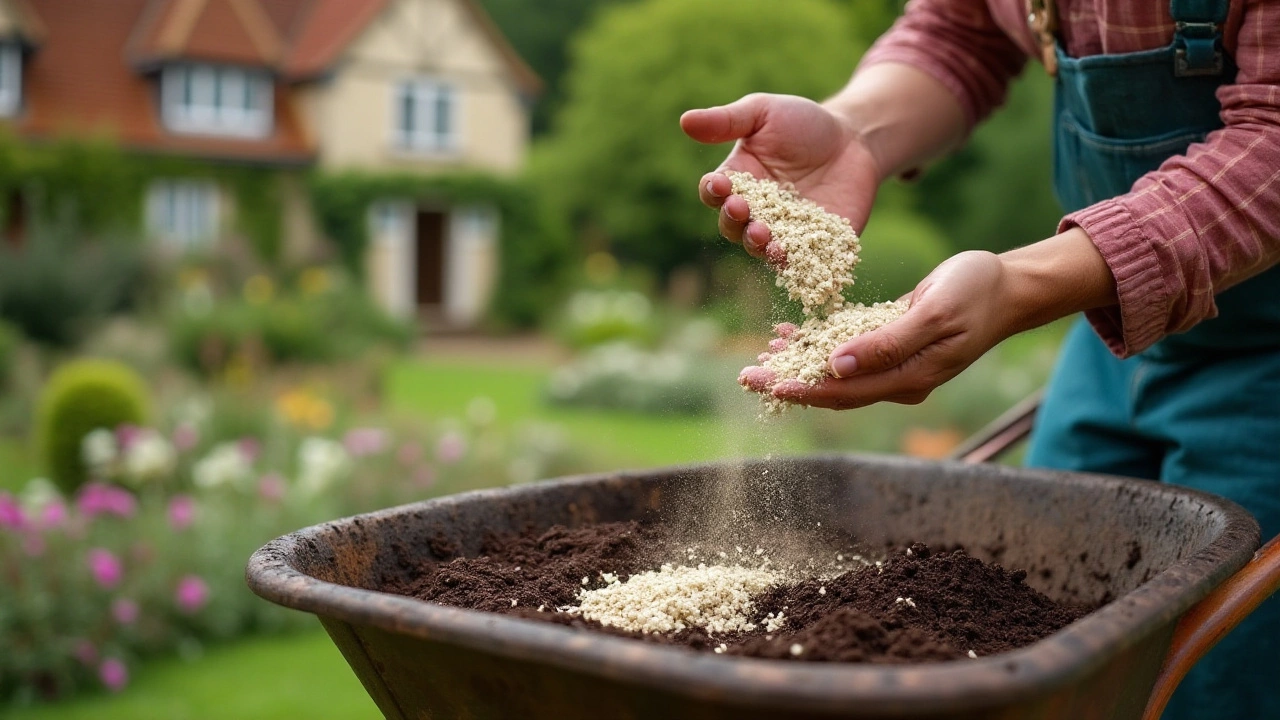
{"type": "Point", "coordinates": [1054, 278]}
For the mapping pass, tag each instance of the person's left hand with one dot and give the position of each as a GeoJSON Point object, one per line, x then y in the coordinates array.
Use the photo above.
{"type": "Point", "coordinates": [960, 311]}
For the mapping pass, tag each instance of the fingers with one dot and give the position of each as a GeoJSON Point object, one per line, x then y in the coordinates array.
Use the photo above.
{"type": "Point", "coordinates": [889, 346]}
{"type": "Point", "coordinates": [714, 188]}
{"type": "Point", "coordinates": [725, 123]}
{"type": "Point", "coordinates": [734, 215]}
{"type": "Point", "coordinates": [756, 378]}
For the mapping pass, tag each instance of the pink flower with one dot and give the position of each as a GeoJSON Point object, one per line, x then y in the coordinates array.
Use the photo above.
{"type": "Point", "coordinates": [250, 448]}
{"type": "Point", "coordinates": [424, 477]}
{"type": "Point", "coordinates": [192, 593]}
{"type": "Point", "coordinates": [409, 454]}
{"type": "Point", "coordinates": [100, 499]}
{"type": "Point", "coordinates": [113, 674]}
{"type": "Point", "coordinates": [182, 512]}
{"type": "Point", "coordinates": [127, 435]}
{"type": "Point", "coordinates": [451, 448]}
{"type": "Point", "coordinates": [11, 515]}
{"type": "Point", "coordinates": [53, 514]}
{"type": "Point", "coordinates": [125, 611]}
{"type": "Point", "coordinates": [85, 652]}
{"type": "Point", "coordinates": [185, 437]}
{"type": "Point", "coordinates": [360, 442]}
{"type": "Point", "coordinates": [272, 487]}
{"type": "Point", "coordinates": [105, 567]}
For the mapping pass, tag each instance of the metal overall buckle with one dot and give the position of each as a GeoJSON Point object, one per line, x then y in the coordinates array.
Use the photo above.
{"type": "Point", "coordinates": [1042, 17]}
{"type": "Point", "coordinates": [1197, 53]}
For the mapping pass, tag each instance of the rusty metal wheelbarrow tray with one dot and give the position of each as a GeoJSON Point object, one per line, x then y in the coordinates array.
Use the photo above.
{"type": "Point", "coordinates": [1156, 549]}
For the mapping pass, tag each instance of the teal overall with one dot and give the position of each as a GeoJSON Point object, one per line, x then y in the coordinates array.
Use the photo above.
{"type": "Point", "coordinates": [1201, 408]}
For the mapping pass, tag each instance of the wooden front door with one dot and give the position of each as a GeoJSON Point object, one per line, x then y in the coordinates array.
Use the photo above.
{"type": "Point", "coordinates": [430, 240]}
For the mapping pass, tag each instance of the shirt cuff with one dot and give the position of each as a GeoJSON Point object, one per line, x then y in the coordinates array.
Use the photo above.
{"type": "Point", "coordinates": [1142, 283]}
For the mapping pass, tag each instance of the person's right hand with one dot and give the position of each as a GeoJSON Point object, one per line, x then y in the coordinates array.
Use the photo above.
{"type": "Point", "coordinates": [790, 140]}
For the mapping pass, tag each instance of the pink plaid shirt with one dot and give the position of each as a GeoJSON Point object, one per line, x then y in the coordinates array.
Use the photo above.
{"type": "Point", "coordinates": [1203, 221]}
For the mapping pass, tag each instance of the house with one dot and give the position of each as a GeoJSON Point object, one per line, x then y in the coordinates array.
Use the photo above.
{"type": "Point", "coordinates": [378, 86]}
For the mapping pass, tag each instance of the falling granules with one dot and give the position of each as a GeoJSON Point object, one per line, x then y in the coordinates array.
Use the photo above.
{"type": "Point", "coordinates": [821, 247]}
{"type": "Point", "coordinates": [804, 357]}
{"type": "Point", "coordinates": [716, 598]}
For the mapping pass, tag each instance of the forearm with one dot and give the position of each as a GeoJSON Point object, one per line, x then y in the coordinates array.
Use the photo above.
{"type": "Point", "coordinates": [905, 117]}
{"type": "Point", "coordinates": [1053, 278]}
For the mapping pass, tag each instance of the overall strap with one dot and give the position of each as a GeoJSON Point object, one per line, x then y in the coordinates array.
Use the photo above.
{"type": "Point", "coordinates": [1197, 36]}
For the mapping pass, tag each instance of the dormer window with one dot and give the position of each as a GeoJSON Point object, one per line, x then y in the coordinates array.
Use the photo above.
{"type": "Point", "coordinates": [425, 115]}
{"type": "Point", "coordinates": [10, 79]}
{"type": "Point", "coordinates": [216, 100]}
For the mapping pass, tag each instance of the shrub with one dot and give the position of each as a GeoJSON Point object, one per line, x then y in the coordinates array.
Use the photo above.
{"type": "Point", "coordinates": [56, 289]}
{"type": "Point", "coordinates": [595, 317]}
{"type": "Point", "coordinates": [83, 396]}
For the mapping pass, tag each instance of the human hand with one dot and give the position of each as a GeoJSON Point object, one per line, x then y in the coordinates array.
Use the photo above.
{"type": "Point", "coordinates": [959, 312]}
{"type": "Point", "coordinates": [790, 140]}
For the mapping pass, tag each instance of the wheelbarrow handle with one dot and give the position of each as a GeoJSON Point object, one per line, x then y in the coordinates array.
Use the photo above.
{"type": "Point", "coordinates": [1209, 621]}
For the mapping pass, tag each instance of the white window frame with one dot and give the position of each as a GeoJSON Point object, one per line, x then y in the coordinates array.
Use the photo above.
{"type": "Point", "coordinates": [423, 135]}
{"type": "Point", "coordinates": [10, 79]}
{"type": "Point", "coordinates": [184, 214]}
{"type": "Point", "coordinates": [206, 99]}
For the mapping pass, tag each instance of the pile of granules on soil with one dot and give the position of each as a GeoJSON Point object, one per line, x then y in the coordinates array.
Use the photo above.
{"type": "Point", "coordinates": [804, 355]}
{"type": "Point", "coordinates": [915, 606]}
{"type": "Point", "coordinates": [821, 247]}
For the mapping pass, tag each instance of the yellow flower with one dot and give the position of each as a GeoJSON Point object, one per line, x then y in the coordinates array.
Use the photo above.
{"type": "Point", "coordinates": [193, 277]}
{"type": "Point", "coordinates": [315, 281]}
{"type": "Point", "coordinates": [259, 290]}
{"type": "Point", "coordinates": [305, 410]}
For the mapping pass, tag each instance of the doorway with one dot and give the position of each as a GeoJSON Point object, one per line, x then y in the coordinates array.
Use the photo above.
{"type": "Point", "coordinates": [430, 266]}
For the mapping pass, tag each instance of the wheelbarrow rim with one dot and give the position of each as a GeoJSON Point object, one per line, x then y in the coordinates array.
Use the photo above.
{"type": "Point", "coordinates": [1047, 665]}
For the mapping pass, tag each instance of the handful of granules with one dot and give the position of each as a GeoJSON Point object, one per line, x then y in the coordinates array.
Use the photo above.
{"type": "Point", "coordinates": [822, 251]}
{"type": "Point", "coordinates": [821, 247]}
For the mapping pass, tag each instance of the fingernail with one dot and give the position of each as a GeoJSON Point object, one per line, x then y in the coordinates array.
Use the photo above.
{"type": "Point", "coordinates": [844, 366]}
{"type": "Point", "coordinates": [712, 191]}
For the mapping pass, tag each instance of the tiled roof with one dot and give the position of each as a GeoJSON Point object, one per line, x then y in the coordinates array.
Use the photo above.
{"type": "Point", "coordinates": [94, 69]}
{"type": "Point", "coordinates": [80, 81]}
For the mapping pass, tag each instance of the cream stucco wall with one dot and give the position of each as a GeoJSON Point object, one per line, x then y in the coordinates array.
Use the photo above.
{"type": "Point", "coordinates": [352, 111]}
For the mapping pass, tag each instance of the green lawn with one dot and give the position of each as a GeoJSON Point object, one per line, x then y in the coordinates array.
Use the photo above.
{"type": "Point", "coordinates": [276, 678]}
{"type": "Point", "coordinates": [444, 388]}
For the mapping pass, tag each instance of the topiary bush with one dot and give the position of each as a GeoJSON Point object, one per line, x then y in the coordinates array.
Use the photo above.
{"type": "Point", "coordinates": [83, 396]}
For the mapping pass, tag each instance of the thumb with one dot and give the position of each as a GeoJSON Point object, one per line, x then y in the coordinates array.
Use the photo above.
{"type": "Point", "coordinates": [884, 348]}
{"type": "Point", "coordinates": [727, 122]}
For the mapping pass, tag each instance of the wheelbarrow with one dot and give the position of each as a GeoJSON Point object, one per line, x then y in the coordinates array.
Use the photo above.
{"type": "Point", "coordinates": [1175, 564]}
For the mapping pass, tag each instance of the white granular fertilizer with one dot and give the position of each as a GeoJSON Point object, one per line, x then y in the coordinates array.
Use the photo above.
{"type": "Point", "coordinates": [821, 247]}
{"type": "Point", "coordinates": [805, 356]}
{"type": "Point", "coordinates": [717, 598]}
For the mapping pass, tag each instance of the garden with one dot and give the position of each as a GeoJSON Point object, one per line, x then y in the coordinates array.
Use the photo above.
{"type": "Point", "coordinates": [161, 418]}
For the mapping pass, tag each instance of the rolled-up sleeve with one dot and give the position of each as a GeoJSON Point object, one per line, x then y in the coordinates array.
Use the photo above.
{"type": "Point", "coordinates": [1203, 221]}
{"type": "Point", "coordinates": [958, 43]}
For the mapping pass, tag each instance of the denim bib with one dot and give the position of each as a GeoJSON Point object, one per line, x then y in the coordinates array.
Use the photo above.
{"type": "Point", "coordinates": [1118, 117]}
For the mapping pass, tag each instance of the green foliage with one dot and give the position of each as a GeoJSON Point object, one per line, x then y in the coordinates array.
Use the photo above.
{"type": "Point", "coordinates": [540, 32]}
{"type": "Point", "coordinates": [618, 162]}
{"type": "Point", "coordinates": [595, 317]}
{"type": "Point", "coordinates": [83, 396]}
{"type": "Point", "coordinates": [10, 343]}
{"type": "Point", "coordinates": [997, 192]}
{"type": "Point", "coordinates": [535, 247]}
{"type": "Point", "coordinates": [337, 323]}
{"type": "Point", "coordinates": [58, 287]}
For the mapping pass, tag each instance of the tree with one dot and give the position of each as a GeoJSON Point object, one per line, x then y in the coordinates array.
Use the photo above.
{"type": "Point", "coordinates": [617, 161]}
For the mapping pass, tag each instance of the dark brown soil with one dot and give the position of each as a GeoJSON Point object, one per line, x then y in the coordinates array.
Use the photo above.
{"type": "Point", "coordinates": [958, 603]}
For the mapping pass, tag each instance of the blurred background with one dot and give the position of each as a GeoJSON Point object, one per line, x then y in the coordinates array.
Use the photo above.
{"type": "Point", "coordinates": [265, 263]}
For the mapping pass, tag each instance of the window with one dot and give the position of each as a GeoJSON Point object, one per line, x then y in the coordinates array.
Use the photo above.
{"type": "Point", "coordinates": [183, 213]}
{"type": "Point", "coordinates": [426, 116]}
{"type": "Point", "coordinates": [10, 79]}
{"type": "Point", "coordinates": [216, 100]}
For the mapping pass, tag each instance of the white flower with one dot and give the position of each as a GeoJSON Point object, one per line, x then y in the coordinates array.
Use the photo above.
{"type": "Point", "coordinates": [99, 452]}
{"type": "Point", "coordinates": [226, 464]}
{"type": "Point", "coordinates": [39, 492]}
{"type": "Point", "coordinates": [321, 462]}
{"type": "Point", "coordinates": [149, 457]}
